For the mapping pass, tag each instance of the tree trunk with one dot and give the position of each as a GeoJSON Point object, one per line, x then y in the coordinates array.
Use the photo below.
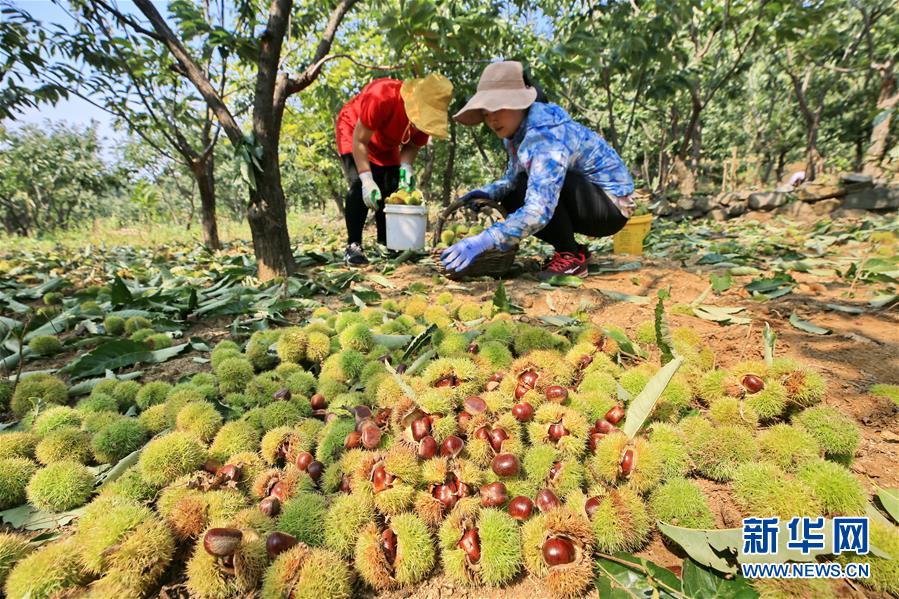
{"type": "Point", "coordinates": [450, 165]}
{"type": "Point", "coordinates": [203, 172]}
{"type": "Point", "coordinates": [267, 215]}
{"type": "Point", "coordinates": [812, 157]}
{"type": "Point", "coordinates": [887, 101]}
{"type": "Point", "coordinates": [424, 182]}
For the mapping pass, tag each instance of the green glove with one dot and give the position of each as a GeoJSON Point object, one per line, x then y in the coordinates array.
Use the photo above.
{"type": "Point", "coordinates": [407, 177]}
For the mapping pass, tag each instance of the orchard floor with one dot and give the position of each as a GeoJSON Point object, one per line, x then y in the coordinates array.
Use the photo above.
{"type": "Point", "coordinates": [861, 350]}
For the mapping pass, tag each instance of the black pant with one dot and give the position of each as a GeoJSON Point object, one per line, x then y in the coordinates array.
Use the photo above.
{"type": "Point", "coordinates": [355, 211]}
{"type": "Point", "coordinates": [583, 208]}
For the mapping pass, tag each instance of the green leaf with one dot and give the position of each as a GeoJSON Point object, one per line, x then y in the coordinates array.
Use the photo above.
{"type": "Point", "coordinates": [770, 337]}
{"type": "Point", "coordinates": [420, 341]}
{"type": "Point", "coordinates": [27, 517]}
{"type": "Point", "coordinates": [704, 582]}
{"type": "Point", "coordinates": [624, 297]}
{"type": "Point", "coordinates": [804, 325]}
{"type": "Point", "coordinates": [663, 333]}
{"type": "Point", "coordinates": [845, 309]}
{"type": "Point", "coordinates": [726, 315]}
{"type": "Point", "coordinates": [392, 342]}
{"type": "Point", "coordinates": [118, 354]}
{"type": "Point", "coordinates": [641, 407]}
{"type": "Point", "coordinates": [889, 499]}
{"type": "Point", "coordinates": [558, 321]}
{"type": "Point", "coordinates": [120, 294]}
{"type": "Point", "coordinates": [721, 283]}
{"type": "Point", "coordinates": [624, 575]}
{"type": "Point", "coordinates": [716, 549]}
{"type": "Point", "coordinates": [624, 343]}
{"type": "Point", "coordinates": [500, 299]}
{"type": "Point", "coordinates": [85, 387]}
{"type": "Point", "coordinates": [119, 469]}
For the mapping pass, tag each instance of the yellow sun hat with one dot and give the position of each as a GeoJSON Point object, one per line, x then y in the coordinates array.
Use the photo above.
{"type": "Point", "coordinates": [427, 101]}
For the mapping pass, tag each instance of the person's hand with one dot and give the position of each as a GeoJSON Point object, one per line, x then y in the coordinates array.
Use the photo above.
{"type": "Point", "coordinates": [371, 193]}
{"type": "Point", "coordinates": [407, 177]}
{"type": "Point", "coordinates": [470, 197]}
{"type": "Point", "coordinates": [459, 255]}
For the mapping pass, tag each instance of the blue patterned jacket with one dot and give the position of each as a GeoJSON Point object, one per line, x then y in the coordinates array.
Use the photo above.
{"type": "Point", "coordinates": [547, 145]}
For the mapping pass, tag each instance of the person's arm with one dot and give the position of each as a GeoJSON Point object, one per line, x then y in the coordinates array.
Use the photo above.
{"type": "Point", "coordinates": [361, 137]}
{"type": "Point", "coordinates": [408, 153]}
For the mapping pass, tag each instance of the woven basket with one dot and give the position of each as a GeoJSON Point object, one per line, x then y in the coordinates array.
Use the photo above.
{"type": "Point", "coordinates": [493, 262]}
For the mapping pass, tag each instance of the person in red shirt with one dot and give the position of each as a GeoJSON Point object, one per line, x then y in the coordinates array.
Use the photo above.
{"type": "Point", "coordinates": [379, 133]}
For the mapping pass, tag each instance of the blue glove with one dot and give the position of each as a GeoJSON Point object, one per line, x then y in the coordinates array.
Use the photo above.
{"type": "Point", "coordinates": [459, 255]}
{"type": "Point", "coordinates": [470, 197]}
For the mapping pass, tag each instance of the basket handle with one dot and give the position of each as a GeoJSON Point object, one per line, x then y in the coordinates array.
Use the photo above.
{"type": "Point", "coordinates": [456, 206]}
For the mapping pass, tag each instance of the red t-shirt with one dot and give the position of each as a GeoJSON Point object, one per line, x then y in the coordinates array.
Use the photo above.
{"type": "Point", "coordinates": [380, 108]}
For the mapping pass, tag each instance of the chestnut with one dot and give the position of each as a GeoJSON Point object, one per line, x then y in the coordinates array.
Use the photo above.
{"type": "Point", "coordinates": [211, 466]}
{"type": "Point", "coordinates": [528, 378]}
{"type": "Point", "coordinates": [446, 381]}
{"type": "Point", "coordinates": [523, 411]}
{"type": "Point", "coordinates": [270, 506]}
{"type": "Point", "coordinates": [753, 383]}
{"type": "Point", "coordinates": [483, 433]}
{"type": "Point", "coordinates": [521, 390]}
{"type": "Point", "coordinates": [318, 402]}
{"type": "Point", "coordinates": [558, 551]}
{"type": "Point", "coordinates": [222, 542]}
{"type": "Point", "coordinates": [603, 426]}
{"type": "Point", "coordinates": [591, 506]}
{"type": "Point", "coordinates": [556, 393]}
{"type": "Point", "coordinates": [451, 446]}
{"type": "Point", "coordinates": [494, 381]}
{"type": "Point", "coordinates": [228, 473]}
{"type": "Point", "coordinates": [584, 362]}
{"type": "Point", "coordinates": [556, 431]}
{"type": "Point", "coordinates": [493, 494]}
{"type": "Point", "coordinates": [353, 440]}
{"type": "Point", "coordinates": [474, 405]}
{"type": "Point", "coordinates": [388, 545]}
{"type": "Point", "coordinates": [315, 470]}
{"type": "Point", "coordinates": [361, 413]}
{"type": "Point", "coordinates": [345, 486]}
{"type": "Point", "coordinates": [421, 428]}
{"type": "Point", "coordinates": [304, 458]}
{"type": "Point", "coordinates": [279, 542]}
{"type": "Point", "coordinates": [627, 462]}
{"type": "Point", "coordinates": [401, 368]}
{"type": "Point", "coordinates": [521, 507]}
{"type": "Point", "coordinates": [554, 471]}
{"type": "Point", "coordinates": [547, 500]}
{"type": "Point", "coordinates": [505, 464]}
{"type": "Point", "coordinates": [445, 495]}
{"type": "Point", "coordinates": [427, 447]}
{"type": "Point", "coordinates": [594, 440]}
{"type": "Point", "coordinates": [281, 491]}
{"type": "Point", "coordinates": [371, 435]}
{"type": "Point", "coordinates": [381, 479]}
{"type": "Point", "coordinates": [470, 543]}
{"type": "Point", "coordinates": [463, 419]}
{"type": "Point", "coordinates": [615, 414]}
{"type": "Point", "coordinates": [473, 348]}
{"type": "Point", "coordinates": [497, 436]}
{"type": "Point", "coordinates": [282, 394]}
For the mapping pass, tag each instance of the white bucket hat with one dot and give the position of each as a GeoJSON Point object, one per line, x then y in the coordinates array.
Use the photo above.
{"type": "Point", "coordinates": [501, 86]}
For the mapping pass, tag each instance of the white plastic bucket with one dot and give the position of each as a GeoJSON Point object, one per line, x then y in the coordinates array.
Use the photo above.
{"type": "Point", "coordinates": [406, 226]}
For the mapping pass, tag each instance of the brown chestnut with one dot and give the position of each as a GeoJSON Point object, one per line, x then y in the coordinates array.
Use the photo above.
{"type": "Point", "coordinates": [381, 479]}
{"type": "Point", "coordinates": [493, 494]}
{"type": "Point", "coordinates": [474, 405]}
{"type": "Point", "coordinates": [558, 551]}
{"type": "Point", "coordinates": [473, 348]}
{"type": "Point", "coordinates": [211, 466]}
{"type": "Point", "coordinates": [603, 426]}
{"type": "Point", "coordinates": [228, 472]}
{"type": "Point", "coordinates": [523, 411]}
{"type": "Point", "coordinates": [281, 491]}
{"type": "Point", "coordinates": [388, 545]}
{"type": "Point", "coordinates": [753, 383]}
{"type": "Point", "coordinates": [282, 394]}
{"type": "Point", "coordinates": [584, 361]}
{"type": "Point", "coordinates": [497, 436]}
{"type": "Point", "coordinates": [451, 446]}
{"type": "Point", "coordinates": [304, 458]}
{"type": "Point", "coordinates": [427, 448]}
{"type": "Point", "coordinates": [556, 431]}
{"type": "Point", "coordinates": [505, 464]}
{"type": "Point", "coordinates": [521, 390]}
{"type": "Point", "coordinates": [521, 507]}
{"type": "Point", "coordinates": [279, 542]}
{"type": "Point", "coordinates": [547, 500]}
{"type": "Point", "coordinates": [318, 402]}
{"type": "Point", "coordinates": [528, 378]}
{"type": "Point", "coordinates": [222, 541]}
{"type": "Point", "coordinates": [315, 470]}
{"type": "Point", "coordinates": [361, 414]}
{"type": "Point", "coordinates": [463, 419]}
{"type": "Point", "coordinates": [483, 433]}
{"type": "Point", "coordinates": [447, 381]}
{"type": "Point", "coordinates": [556, 393]}
{"type": "Point", "coordinates": [270, 506]}
{"type": "Point", "coordinates": [421, 428]}
{"type": "Point", "coordinates": [371, 435]}
{"type": "Point", "coordinates": [627, 462]}
{"type": "Point", "coordinates": [471, 544]}
{"type": "Point", "coordinates": [445, 495]}
{"type": "Point", "coordinates": [615, 414]}
{"type": "Point", "coordinates": [345, 486]}
{"type": "Point", "coordinates": [594, 440]}
{"type": "Point", "coordinates": [353, 440]}
{"type": "Point", "coordinates": [554, 471]}
{"type": "Point", "coordinates": [591, 506]}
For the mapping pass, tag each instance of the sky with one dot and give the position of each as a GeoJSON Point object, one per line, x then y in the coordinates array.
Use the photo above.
{"type": "Point", "coordinates": [74, 111]}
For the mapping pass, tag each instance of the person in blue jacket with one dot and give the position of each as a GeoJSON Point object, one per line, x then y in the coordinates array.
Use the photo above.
{"type": "Point", "coordinates": [562, 178]}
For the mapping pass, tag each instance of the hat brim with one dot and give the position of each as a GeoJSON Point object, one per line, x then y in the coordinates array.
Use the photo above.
{"type": "Point", "coordinates": [493, 100]}
{"type": "Point", "coordinates": [432, 124]}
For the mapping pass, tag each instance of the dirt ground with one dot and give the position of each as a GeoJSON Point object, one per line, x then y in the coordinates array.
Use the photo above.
{"type": "Point", "coordinates": [860, 351]}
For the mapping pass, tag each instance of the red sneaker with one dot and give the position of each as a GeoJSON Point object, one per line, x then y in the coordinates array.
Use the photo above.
{"type": "Point", "coordinates": [565, 263]}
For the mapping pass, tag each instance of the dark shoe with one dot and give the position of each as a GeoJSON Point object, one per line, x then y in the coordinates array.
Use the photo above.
{"type": "Point", "coordinates": [565, 263]}
{"type": "Point", "coordinates": [354, 256]}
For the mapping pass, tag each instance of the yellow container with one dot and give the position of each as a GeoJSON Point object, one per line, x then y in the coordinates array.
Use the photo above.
{"type": "Point", "coordinates": [629, 240]}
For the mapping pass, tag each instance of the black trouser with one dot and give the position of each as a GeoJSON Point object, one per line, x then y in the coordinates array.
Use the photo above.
{"type": "Point", "coordinates": [355, 211]}
{"type": "Point", "coordinates": [583, 208]}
